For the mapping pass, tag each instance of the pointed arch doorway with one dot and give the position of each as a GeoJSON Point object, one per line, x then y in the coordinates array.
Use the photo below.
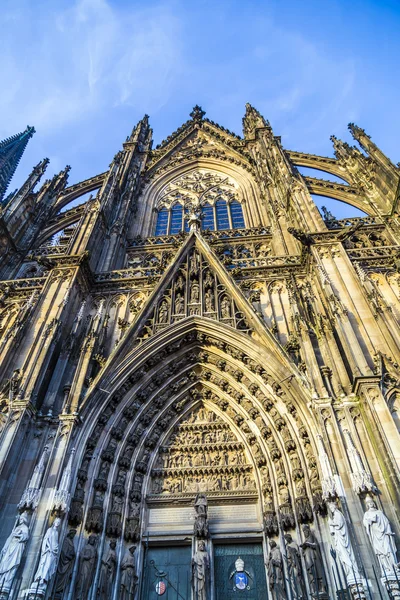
{"type": "Point", "coordinates": [202, 454]}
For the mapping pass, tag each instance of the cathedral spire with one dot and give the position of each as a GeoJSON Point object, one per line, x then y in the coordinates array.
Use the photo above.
{"type": "Point", "coordinates": [252, 120]}
{"type": "Point", "coordinates": [11, 151]}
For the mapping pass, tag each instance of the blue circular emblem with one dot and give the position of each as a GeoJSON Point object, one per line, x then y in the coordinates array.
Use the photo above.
{"type": "Point", "coordinates": [241, 581]}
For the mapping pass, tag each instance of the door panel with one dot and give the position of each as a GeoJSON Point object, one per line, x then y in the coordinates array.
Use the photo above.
{"type": "Point", "coordinates": [225, 556]}
{"type": "Point", "coordinates": [175, 562]}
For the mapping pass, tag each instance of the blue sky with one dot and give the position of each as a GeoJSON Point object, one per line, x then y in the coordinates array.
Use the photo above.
{"type": "Point", "coordinates": [83, 72]}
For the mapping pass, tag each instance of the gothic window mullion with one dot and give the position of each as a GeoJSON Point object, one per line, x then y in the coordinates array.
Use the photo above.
{"type": "Point", "coordinates": [228, 206]}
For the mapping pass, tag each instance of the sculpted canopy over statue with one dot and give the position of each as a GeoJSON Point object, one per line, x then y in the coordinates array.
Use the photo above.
{"type": "Point", "coordinates": [341, 540]}
{"type": "Point", "coordinates": [11, 554]}
{"type": "Point", "coordinates": [381, 537]}
{"type": "Point", "coordinates": [49, 554]}
{"type": "Point", "coordinates": [200, 570]}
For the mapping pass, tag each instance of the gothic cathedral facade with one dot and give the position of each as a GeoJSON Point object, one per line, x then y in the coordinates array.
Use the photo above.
{"type": "Point", "coordinates": [200, 374]}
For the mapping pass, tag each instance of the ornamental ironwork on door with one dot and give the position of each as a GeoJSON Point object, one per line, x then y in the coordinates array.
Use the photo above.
{"type": "Point", "coordinates": [167, 574]}
{"type": "Point", "coordinates": [239, 572]}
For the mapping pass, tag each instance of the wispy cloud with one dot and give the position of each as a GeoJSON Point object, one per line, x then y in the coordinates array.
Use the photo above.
{"type": "Point", "coordinates": [84, 57]}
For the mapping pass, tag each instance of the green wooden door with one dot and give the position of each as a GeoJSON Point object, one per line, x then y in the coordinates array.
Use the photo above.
{"type": "Point", "coordinates": [226, 573]}
{"type": "Point", "coordinates": [169, 567]}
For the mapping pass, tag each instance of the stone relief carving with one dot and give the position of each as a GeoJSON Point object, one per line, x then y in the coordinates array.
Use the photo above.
{"type": "Point", "coordinates": [87, 568]}
{"type": "Point", "coordinates": [48, 557]}
{"type": "Point", "coordinates": [107, 572]}
{"type": "Point", "coordinates": [129, 579]}
{"type": "Point", "coordinates": [313, 562]}
{"type": "Point", "coordinates": [276, 578]}
{"type": "Point", "coordinates": [382, 538]}
{"type": "Point", "coordinates": [12, 552]}
{"type": "Point", "coordinates": [65, 563]}
{"type": "Point", "coordinates": [200, 572]}
{"type": "Point", "coordinates": [341, 540]}
{"type": "Point", "coordinates": [203, 455]}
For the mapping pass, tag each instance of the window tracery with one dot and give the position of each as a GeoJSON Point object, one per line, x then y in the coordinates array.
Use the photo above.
{"type": "Point", "coordinates": [215, 194]}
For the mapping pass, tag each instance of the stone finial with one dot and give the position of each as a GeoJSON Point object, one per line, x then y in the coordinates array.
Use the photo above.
{"type": "Point", "coordinates": [30, 497]}
{"type": "Point", "coordinates": [197, 113]}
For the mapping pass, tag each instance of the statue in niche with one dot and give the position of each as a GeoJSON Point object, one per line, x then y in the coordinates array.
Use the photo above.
{"type": "Point", "coordinates": [341, 540]}
{"type": "Point", "coordinates": [209, 301]}
{"type": "Point", "coordinates": [200, 572]}
{"type": "Point", "coordinates": [208, 280]}
{"type": "Point", "coordinates": [294, 568]}
{"type": "Point", "coordinates": [11, 554]}
{"type": "Point", "coordinates": [107, 572]}
{"type": "Point", "coordinates": [179, 304]}
{"type": "Point", "coordinates": [194, 264]}
{"type": "Point", "coordinates": [226, 308]}
{"type": "Point", "coordinates": [65, 563]}
{"type": "Point", "coordinates": [133, 521]}
{"type": "Point", "coordinates": [313, 562]}
{"type": "Point", "coordinates": [87, 568]}
{"type": "Point", "coordinates": [163, 312]}
{"type": "Point", "coordinates": [275, 572]}
{"type": "Point", "coordinates": [194, 292]}
{"type": "Point", "coordinates": [48, 555]}
{"type": "Point", "coordinates": [129, 578]}
{"type": "Point", "coordinates": [180, 282]}
{"type": "Point", "coordinates": [381, 536]}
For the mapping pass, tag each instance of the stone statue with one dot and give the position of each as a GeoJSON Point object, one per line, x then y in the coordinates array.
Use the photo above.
{"type": "Point", "coordinates": [313, 562]}
{"type": "Point", "coordinates": [209, 301]}
{"type": "Point", "coordinates": [341, 540]}
{"type": "Point", "coordinates": [65, 563]}
{"type": "Point", "coordinates": [225, 308]}
{"type": "Point", "coordinates": [201, 523]}
{"type": "Point", "coordinates": [200, 568]}
{"type": "Point", "coordinates": [87, 568]}
{"type": "Point", "coordinates": [49, 555]}
{"type": "Point", "coordinates": [128, 576]}
{"type": "Point", "coordinates": [296, 580]}
{"type": "Point", "coordinates": [107, 572]}
{"type": "Point", "coordinates": [179, 304]}
{"type": "Point", "coordinates": [163, 312]}
{"type": "Point", "coordinates": [381, 537]}
{"type": "Point", "coordinates": [11, 554]}
{"type": "Point", "coordinates": [275, 572]}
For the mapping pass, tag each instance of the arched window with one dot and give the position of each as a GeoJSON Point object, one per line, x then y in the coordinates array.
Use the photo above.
{"type": "Point", "coordinates": [207, 221]}
{"type": "Point", "coordinates": [222, 215]}
{"type": "Point", "coordinates": [176, 219]}
{"type": "Point", "coordinates": [236, 215]}
{"type": "Point", "coordinates": [162, 222]}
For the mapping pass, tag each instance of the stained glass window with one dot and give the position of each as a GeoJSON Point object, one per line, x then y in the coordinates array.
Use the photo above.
{"type": "Point", "coordinates": [237, 215]}
{"type": "Point", "coordinates": [222, 215]}
{"type": "Point", "coordinates": [176, 219]}
{"type": "Point", "coordinates": [207, 221]}
{"type": "Point", "coordinates": [162, 222]}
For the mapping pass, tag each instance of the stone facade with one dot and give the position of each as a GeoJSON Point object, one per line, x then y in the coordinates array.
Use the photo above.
{"type": "Point", "coordinates": [195, 356]}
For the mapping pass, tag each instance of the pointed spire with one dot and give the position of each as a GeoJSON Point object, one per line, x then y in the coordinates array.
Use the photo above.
{"type": "Point", "coordinates": [30, 497]}
{"type": "Point", "coordinates": [11, 151]}
{"type": "Point", "coordinates": [360, 478]}
{"type": "Point", "coordinates": [329, 489]}
{"type": "Point", "coordinates": [252, 120]}
{"type": "Point", "coordinates": [62, 496]}
{"type": "Point", "coordinates": [14, 201]}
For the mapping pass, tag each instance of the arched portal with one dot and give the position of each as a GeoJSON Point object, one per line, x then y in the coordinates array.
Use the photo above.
{"type": "Point", "coordinates": [201, 395]}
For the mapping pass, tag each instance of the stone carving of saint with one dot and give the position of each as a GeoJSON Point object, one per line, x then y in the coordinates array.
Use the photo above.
{"type": "Point", "coordinates": [128, 576]}
{"type": "Point", "coordinates": [200, 569]}
{"type": "Point", "coordinates": [194, 292]}
{"type": "Point", "coordinates": [11, 554]}
{"type": "Point", "coordinates": [179, 304]}
{"type": "Point", "coordinates": [275, 572]}
{"type": "Point", "coordinates": [163, 312]}
{"type": "Point", "coordinates": [201, 524]}
{"type": "Point", "coordinates": [225, 308]}
{"type": "Point", "coordinates": [87, 567]}
{"type": "Point", "coordinates": [194, 263]}
{"type": "Point", "coordinates": [341, 539]}
{"type": "Point", "coordinates": [294, 568]}
{"type": "Point", "coordinates": [209, 301]}
{"type": "Point", "coordinates": [313, 562]}
{"type": "Point", "coordinates": [381, 537]}
{"type": "Point", "coordinates": [48, 556]}
{"type": "Point", "coordinates": [107, 571]}
{"type": "Point", "coordinates": [65, 563]}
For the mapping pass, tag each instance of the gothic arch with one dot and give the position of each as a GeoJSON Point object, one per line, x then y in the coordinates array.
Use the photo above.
{"type": "Point", "coordinates": [247, 189]}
